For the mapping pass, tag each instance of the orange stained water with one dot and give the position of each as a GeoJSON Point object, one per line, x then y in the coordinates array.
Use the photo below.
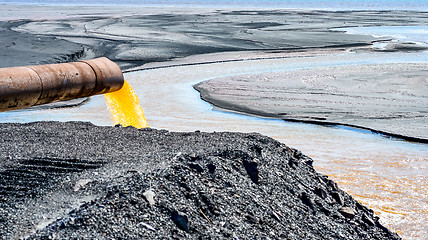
{"type": "Point", "coordinates": [124, 107]}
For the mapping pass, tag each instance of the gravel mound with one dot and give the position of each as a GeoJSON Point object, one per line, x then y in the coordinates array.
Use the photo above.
{"type": "Point", "coordinates": [77, 180]}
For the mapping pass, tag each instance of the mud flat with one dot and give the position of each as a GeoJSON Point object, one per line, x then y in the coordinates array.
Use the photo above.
{"type": "Point", "coordinates": [132, 36]}
{"type": "Point", "coordinates": [384, 98]}
{"type": "Point", "coordinates": [66, 180]}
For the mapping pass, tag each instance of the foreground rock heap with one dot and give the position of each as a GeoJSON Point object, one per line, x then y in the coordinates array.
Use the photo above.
{"type": "Point", "coordinates": [66, 180]}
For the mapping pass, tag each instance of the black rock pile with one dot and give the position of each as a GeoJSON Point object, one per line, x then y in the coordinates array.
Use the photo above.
{"type": "Point", "coordinates": [110, 182]}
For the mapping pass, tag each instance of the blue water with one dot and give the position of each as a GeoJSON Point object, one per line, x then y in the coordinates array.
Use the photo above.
{"type": "Point", "coordinates": [421, 5]}
{"type": "Point", "coordinates": [417, 34]}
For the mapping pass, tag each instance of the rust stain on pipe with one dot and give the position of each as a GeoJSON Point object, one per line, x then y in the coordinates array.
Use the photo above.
{"type": "Point", "coordinates": [28, 86]}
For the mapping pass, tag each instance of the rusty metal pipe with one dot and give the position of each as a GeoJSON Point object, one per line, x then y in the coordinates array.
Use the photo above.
{"type": "Point", "coordinates": [22, 87]}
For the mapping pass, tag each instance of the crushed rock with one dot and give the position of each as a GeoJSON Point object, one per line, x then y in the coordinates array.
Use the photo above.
{"type": "Point", "coordinates": [155, 184]}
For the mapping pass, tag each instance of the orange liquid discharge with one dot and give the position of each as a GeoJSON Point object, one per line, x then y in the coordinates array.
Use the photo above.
{"type": "Point", "coordinates": [124, 107]}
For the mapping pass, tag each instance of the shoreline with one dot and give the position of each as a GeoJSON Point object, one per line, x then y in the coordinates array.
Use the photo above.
{"type": "Point", "coordinates": [220, 94]}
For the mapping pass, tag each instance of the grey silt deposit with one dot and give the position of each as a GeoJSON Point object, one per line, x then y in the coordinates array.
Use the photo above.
{"type": "Point", "coordinates": [135, 36]}
{"type": "Point", "coordinates": [383, 98]}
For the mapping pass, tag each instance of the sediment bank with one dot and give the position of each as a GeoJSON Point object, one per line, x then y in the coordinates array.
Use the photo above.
{"type": "Point", "coordinates": [382, 98]}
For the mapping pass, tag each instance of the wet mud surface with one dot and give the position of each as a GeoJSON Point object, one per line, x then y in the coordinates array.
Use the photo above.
{"type": "Point", "coordinates": [135, 36]}
{"type": "Point", "coordinates": [385, 98]}
{"type": "Point", "coordinates": [21, 49]}
{"type": "Point", "coordinates": [66, 180]}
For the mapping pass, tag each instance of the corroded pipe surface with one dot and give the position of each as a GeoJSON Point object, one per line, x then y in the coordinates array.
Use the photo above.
{"type": "Point", "coordinates": [28, 86]}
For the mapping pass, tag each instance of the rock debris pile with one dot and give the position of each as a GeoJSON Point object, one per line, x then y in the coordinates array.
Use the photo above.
{"type": "Point", "coordinates": [155, 184]}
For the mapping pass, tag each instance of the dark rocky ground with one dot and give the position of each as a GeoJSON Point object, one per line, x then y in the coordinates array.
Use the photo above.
{"type": "Point", "coordinates": [77, 180]}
